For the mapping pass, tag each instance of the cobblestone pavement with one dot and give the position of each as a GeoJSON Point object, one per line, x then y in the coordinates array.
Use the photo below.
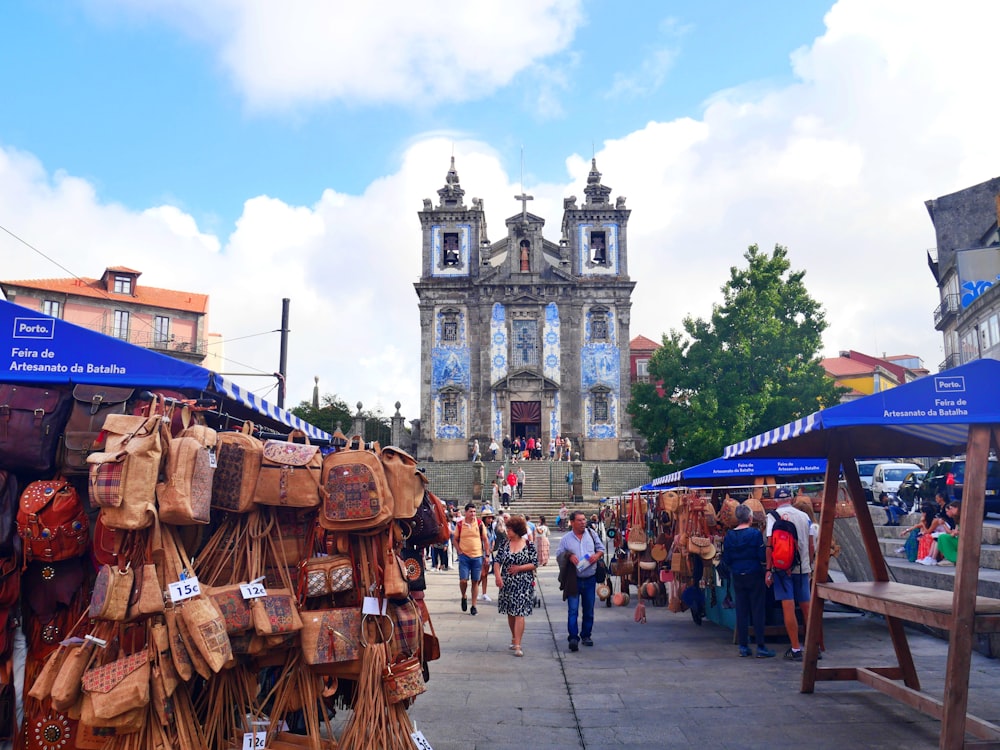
{"type": "Point", "coordinates": [666, 683]}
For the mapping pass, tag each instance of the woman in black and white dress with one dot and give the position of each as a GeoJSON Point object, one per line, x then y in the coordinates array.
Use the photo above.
{"type": "Point", "coordinates": [514, 566]}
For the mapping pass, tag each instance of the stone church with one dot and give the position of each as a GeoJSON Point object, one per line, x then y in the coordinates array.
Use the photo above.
{"type": "Point", "coordinates": [524, 336]}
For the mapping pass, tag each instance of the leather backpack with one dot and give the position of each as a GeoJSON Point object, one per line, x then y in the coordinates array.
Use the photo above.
{"type": "Point", "coordinates": [31, 421]}
{"type": "Point", "coordinates": [90, 407]}
{"type": "Point", "coordinates": [406, 483]}
{"type": "Point", "coordinates": [185, 497]}
{"type": "Point", "coordinates": [238, 465]}
{"type": "Point", "coordinates": [8, 512]}
{"type": "Point", "coordinates": [357, 495]}
{"type": "Point", "coordinates": [51, 521]}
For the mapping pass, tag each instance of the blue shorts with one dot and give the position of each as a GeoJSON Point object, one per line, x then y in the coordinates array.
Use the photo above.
{"type": "Point", "coordinates": [793, 586]}
{"type": "Point", "coordinates": [469, 567]}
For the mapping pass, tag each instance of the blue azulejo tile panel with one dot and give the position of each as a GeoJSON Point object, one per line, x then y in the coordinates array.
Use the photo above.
{"type": "Point", "coordinates": [496, 420]}
{"type": "Point", "coordinates": [605, 429]}
{"type": "Point", "coordinates": [450, 261]}
{"type": "Point", "coordinates": [600, 364]}
{"type": "Point", "coordinates": [611, 266]}
{"type": "Point", "coordinates": [456, 429]}
{"type": "Point", "coordinates": [450, 366]}
{"type": "Point", "coordinates": [551, 344]}
{"type": "Point", "coordinates": [498, 343]}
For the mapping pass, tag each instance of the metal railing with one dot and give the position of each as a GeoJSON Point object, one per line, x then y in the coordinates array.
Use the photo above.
{"type": "Point", "coordinates": [154, 340]}
{"type": "Point", "coordinates": [952, 360]}
{"type": "Point", "coordinates": [948, 308]}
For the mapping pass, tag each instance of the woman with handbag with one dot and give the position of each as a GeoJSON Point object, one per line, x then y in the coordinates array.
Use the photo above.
{"type": "Point", "coordinates": [514, 566]}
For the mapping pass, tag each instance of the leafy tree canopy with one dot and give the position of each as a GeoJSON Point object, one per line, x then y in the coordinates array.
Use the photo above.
{"type": "Point", "coordinates": [752, 366]}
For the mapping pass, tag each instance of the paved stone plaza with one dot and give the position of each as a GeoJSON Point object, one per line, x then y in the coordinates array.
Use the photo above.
{"type": "Point", "coordinates": [668, 683]}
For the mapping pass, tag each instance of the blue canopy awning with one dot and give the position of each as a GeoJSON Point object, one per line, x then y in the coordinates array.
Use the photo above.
{"type": "Point", "coordinates": [928, 417]}
{"type": "Point", "coordinates": [733, 469]}
{"type": "Point", "coordinates": [51, 351]}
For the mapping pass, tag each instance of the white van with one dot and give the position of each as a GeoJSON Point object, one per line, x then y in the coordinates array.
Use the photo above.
{"type": "Point", "coordinates": [887, 477]}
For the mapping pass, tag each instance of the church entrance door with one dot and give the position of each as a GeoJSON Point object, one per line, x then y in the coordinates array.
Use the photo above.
{"type": "Point", "coordinates": [526, 419]}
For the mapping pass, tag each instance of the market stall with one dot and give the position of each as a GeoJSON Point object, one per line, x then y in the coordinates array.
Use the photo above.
{"type": "Point", "coordinates": [954, 411]}
{"type": "Point", "coordinates": [187, 574]}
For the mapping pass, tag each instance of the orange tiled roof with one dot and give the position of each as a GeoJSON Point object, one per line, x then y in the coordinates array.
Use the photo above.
{"type": "Point", "coordinates": [168, 299]}
{"type": "Point", "coordinates": [843, 366]}
{"type": "Point", "coordinates": [642, 343]}
{"type": "Point", "coordinates": [122, 269]}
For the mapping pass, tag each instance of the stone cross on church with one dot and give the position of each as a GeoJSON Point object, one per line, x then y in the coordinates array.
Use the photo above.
{"type": "Point", "coordinates": [524, 336]}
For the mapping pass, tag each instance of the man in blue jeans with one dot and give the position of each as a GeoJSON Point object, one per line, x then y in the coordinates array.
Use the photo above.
{"type": "Point", "coordinates": [578, 554]}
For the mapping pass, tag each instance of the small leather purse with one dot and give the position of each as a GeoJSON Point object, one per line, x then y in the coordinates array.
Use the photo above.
{"type": "Point", "coordinates": [112, 591]}
{"type": "Point", "coordinates": [403, 680]}
{"type": "Point", "coordinates": [328, 574]}
{"type": "Point", "coordinates": [119, 686]}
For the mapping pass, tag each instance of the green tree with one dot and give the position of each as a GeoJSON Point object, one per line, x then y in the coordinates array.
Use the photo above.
{"type": "Point", "coordinates": [332, 411]}
{"type": "Point", "coordinates": [752, 366]}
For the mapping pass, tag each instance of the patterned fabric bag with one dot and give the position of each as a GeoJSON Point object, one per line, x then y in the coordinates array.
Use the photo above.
{"type": "Point", "coordinates": [327, 574]}
{"type": "Point", "coordinates": [289, 473]}
{"type": "Point", "coordinates": [403, 680]}
{"type": "Point", "coordinates": [234, 608]}
{"type": "Point", "coordinates": [330, 636]}
{"type": "Point", "coordinates": [276, 613]}
{"type": "Point", "coordinates": [235, 480]}
{"type": "Point", "coordinates": [118, 687]}
{"type": "Point", "coordinates": [204, 623]}
{"type": "Point", "coordinates": [357, 495]}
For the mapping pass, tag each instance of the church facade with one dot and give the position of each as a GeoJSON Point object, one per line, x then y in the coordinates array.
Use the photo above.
{"type": "Point", "coordinates": [524, 336]}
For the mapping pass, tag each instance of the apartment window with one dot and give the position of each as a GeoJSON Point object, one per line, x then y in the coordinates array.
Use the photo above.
{"type": "Point", "coordinates": [120, 331]}
{"type": "Point", "coordinates": [161, 330]}
{"type": "Point", "coordinates": [984, 336]}
{"type": "Point", "coordinates": [123, 284]}
{"type": "Point", "coordinates": [51, 307]}
{"type": "Point", "coordinates": [642, 370]}
{"type": "Point", "coordinates": [525, 343]}
{"type": "Point", "coordinates": [995, 329]}
{"type": "Point", "coordinates": [449, 408]}
{"type": "Point", "coordinates": [969, 349]}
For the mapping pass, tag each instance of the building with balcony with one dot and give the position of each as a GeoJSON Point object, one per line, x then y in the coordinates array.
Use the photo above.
{"type": "Point", "coordinates": [966, 267]}
{"type": "Point", "coordinates": [864, 374]}
{"type": "Point", "coordinates": [116, 304]}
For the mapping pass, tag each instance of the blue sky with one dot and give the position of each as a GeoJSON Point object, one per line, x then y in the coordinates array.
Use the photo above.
{"type": "Point", "coordinates": [256, 151]}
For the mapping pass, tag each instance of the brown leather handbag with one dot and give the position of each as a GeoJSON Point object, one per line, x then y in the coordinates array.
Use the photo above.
{"type": "Point", "coordinates": [290, 473]}
{"type": "Point", "coordinates": [91, 406]}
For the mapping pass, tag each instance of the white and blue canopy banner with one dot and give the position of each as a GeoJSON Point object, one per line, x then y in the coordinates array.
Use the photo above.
{"type": "Point", "coordinates": [50, 351]}
{"type": "Point", "coordinates": [722, 468]}
{"type": "Point", "coordinates": [927, 417]}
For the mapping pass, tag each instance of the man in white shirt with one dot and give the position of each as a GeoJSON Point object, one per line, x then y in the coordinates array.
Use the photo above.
{"type": "Point", "coordinates": [581, 549]}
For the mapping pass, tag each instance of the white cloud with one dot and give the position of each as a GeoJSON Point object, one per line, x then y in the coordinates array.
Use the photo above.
{"type": "Point", "coordinates": [891, 108]}
{"type": "Point", "coordinates": [301, 51]}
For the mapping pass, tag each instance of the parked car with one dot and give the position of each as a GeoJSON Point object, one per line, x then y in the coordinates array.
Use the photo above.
{"type": "Point", "coordinates": [948, 476]}
{"type": "Point", "coordinates": [909, 487]}
{"type": "Point", "coordinates": [887, 477]}
{"type": "Point", "coordinates": [865, 470]}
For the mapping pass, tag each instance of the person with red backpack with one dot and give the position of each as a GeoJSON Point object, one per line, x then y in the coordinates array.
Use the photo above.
{"type": "Point", "coordinates": [789, 564]}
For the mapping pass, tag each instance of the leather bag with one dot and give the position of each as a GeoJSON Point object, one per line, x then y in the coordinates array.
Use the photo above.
{"type": "Point", "coordinates": [31, 421]}
{"type": "Point", "coordinates": [51, 521]}
{"type": "Point", "coordinates": [403, 680]}
{"type": "Point", "coordinates": [331, 636]}
{"type": "Point", "coordinates": [237, 470]}
{"type": "Point", "coordinates": [91, 405]}
{"type": "Point", "coordinates": [119, 686]}
{"type": "Point", "coordinates": [406, 484]}
{"type": "Point", "coordinates": [207, 629]}
{"type": "Point", "coordinates": [65, 689]}
{"type": "Point", "coordinates": [290, 473]}
{"type": "Point", "coordinates": [327, 574]}
{"type": "Point", "coordinates": [8, 513]}
{"type": "Point", "coordinates": [234, 608]}
{"type": "Point", "coordinates": [142, 440]}
{"type": "Point", "coordinates": [112, 591]}
{"type": "Point", "coordinates": [185, 497]}
{"type": "Point", "coordinates": [425, 527]}
{"type": "Point", "coordinates": [357, 495]}
{"type": "Point", "coordinates": [276, 613]}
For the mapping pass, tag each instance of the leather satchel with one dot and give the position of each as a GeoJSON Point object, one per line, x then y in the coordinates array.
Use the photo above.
{"type": "Point", "coordinates": [331, 636]}
{"type": "Point", "coordinates": [31, 421]}
{"type": "Point", "coordinates": [290, 473]}
{"type": "Point", "coordinates": [120, 686]}
{"type": "Point", "coordinates": [91, 405]}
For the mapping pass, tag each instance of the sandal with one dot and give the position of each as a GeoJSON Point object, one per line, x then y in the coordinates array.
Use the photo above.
{"type": "Point", "coordinates": [518, 651]}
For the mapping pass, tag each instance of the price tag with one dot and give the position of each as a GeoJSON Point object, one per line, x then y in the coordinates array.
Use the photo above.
{"type": "Point", "coordinates": [369, 606]}
{"type": "Point", "coordinates": [420, 741]}
{"type": "Point", "coordinates": [254, 740]}
{"type": "Point", "coordinates": [213, 460]}
{"type": "Point", "coordinates": [185, 589]}
{"type": "Point", "coordinates": [253, 590]}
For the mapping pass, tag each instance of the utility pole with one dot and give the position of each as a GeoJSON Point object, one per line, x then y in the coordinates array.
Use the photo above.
{"type": "Point", "coordinates": [283, 358]}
